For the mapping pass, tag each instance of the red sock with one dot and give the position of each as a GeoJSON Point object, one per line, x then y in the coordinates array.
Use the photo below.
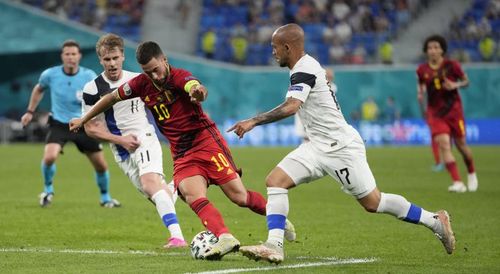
{"type": "Point", "coordinates": [435, 152]}
{"type": "Point", "coordinates": [209, 215]}
{"type": "Point", "coordinates": [453, 170]}
{"type": "Point", "coordinates": [256, 202]}
{"type": "Point", "coordinates": [470, 165]}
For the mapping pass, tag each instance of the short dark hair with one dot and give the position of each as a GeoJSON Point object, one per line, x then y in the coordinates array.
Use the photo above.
{"type": "Point", "coordinates": [146, 51]}
{"type": "Point", "coordinates": [436, 38]}
{"type": "Point", "coordinates": [109, 42]}
{"type": "Point", "coordinates": [71, 43]}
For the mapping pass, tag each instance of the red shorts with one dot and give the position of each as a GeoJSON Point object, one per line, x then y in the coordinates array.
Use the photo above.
{"type": "Point", "coordinates": [211, 159]}
{"type": "Point", "coordinates": [451, 124]}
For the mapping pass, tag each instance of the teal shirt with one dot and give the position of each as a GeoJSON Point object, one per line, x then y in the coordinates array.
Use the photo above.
{"type": "Point", "coordinates": [65, 91]}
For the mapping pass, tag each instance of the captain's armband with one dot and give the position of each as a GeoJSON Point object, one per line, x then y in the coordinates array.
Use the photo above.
{"type": "Point", "coordinates": [190, 84]}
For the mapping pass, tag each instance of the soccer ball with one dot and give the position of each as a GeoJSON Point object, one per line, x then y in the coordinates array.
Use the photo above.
{"type": "Point", "coordinates": [202, 243]}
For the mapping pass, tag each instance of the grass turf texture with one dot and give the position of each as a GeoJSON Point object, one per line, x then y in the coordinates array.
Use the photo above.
{"type": "Point", "coordinates": [329, 223]}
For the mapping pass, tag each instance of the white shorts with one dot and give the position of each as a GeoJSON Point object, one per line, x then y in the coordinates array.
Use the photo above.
{"type": "Point", "coordinates": [348, 166]}
{"type": "Point", "coordinates": [146, 158]}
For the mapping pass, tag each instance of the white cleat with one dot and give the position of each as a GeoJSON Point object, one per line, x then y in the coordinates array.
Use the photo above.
{"type": "Point", "coordinates": [290, 234]}
{"type": "Point", "coordinates": [472, 182]}
{"type": "Point", "coordinates": [46, 199]}
{"type": "Point", "coordinates": [265, 251]}
{"type": "Point", "coordinates": [444, 232]}
{"type": "Point", "coordinates": [457, 187]}
{"type": "Point", "coordinates": [227, 243]}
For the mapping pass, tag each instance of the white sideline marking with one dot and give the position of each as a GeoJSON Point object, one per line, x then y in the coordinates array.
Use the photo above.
{"type": "Point", "coordinates": [91, 251]}
{"type": "Point", "coordinates": [328, 261]}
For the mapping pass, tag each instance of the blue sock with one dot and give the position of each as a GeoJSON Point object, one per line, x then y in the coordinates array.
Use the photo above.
{"type": "Point", "coordinates": [102, 179]}
{"type": "Point", "coordinates": [48, 174]}
{"type": "Point", "coordinates": [413, 215]}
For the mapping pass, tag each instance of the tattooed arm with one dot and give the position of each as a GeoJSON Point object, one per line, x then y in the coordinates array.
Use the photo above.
{"type": "Point", "coordinates": [286, 109]}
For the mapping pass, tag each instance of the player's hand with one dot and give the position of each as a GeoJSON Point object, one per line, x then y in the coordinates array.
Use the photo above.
{"type": "Point", "coordinates": [75, 124]}
{"type": "Point", "coordinates": [242, 127]}
{"type": "Point", "coordinates": [26, 118]}
{"type": "Point", "coordinates": [198, 93]}
{"type": "Point", "coordinates": [450, 85]}
{"type": "Point", "coordinates": [130, 142]}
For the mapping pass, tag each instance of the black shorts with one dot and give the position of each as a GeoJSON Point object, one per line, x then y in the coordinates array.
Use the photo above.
{"type": "Point", "coordinates": [59, 133]}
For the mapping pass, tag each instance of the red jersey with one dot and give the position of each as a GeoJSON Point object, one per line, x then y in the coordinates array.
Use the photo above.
{"type": "Point", "coordinates": [439, 100]}
{"type": "Point", "coordinates": [177, 118]}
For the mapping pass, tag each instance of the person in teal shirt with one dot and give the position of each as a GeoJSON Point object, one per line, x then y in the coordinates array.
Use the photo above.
{"type": "Point", "coordinates": [65, 84]}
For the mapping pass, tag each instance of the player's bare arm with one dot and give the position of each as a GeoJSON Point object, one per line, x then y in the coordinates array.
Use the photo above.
{"type": "Point", "coordinates": [36, 97]}
{"type": "Point", "coordinates": [450, 85]}
{"type": "Point", "coordinates": [286, 109]}
{"type": "Point", "coordinates": [103, 104]}
{"type": "Point", "coordinates": [96, 129]}
{"type": "Point", "coordinates": [421, 90]}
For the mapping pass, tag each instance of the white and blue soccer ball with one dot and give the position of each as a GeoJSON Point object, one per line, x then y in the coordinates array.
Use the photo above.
{"type": "Point", "coordinates": [202, 243]}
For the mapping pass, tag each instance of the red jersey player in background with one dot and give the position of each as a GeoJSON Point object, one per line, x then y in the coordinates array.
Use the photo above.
{"type": "Point", "coordinates": [200, 153]}
{"type": "Point", "coordinates": [440, 79]}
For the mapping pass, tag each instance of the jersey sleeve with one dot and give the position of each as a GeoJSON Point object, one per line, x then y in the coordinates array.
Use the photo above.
{"type": "Point", "coordinates": [457, 69]}
{"type": "Point", "coordinates": [301, 84]}
{"type": "Point", "coordinates": [183, 79]}
{"type": "Point", "coordinates": [90, 98]}
{"type": "Point", "coordinates": [132, 88]}
{"type": "Point", "coordinates": [420, 78]}
{"type": "Point", "coordinates": [44, 80]}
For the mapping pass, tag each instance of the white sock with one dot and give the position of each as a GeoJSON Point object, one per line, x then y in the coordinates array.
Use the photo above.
{"type": "Point", "coordinates": [276, 211]}
{"type": "Point", "coordinates": [166, 210]}
{"type": "Point", "coordinates": [398, 206]}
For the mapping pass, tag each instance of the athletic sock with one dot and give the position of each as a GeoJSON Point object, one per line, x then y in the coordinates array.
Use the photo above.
{"type": "Point", "coordinates": [209, 215]}
{"type": "Point", "coordinates": [453, 170]}
{"type": "Point", "coordinates": [166, 210]}
{"type": "Point", "coordinates": [256, 202]}
{"type": "Point", "coordinates": [277, 211]}
{"type": "Point", "coordinates": [470, 165]}
{"type": "Point", "coordinates": [398, 206]}
{"type": "Point", "coordinates": [48, 172]}
{"type": "Point", "coordinates": [102, 179]}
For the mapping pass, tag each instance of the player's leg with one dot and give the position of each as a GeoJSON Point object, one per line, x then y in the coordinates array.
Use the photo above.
{"type": "Point", "coordinates": [351, 169]}
{"type": "Point", "coordinates": [444, 142]}
{"type": "Point", "coordinates": [472, 182]}
{"type": "Point", "coordinates": [48, 167]}
{"type": "Point", "coordinates": [162, 198]}
{"type": "Point", "coordinates": [297, 167]}
{"type": "Point", "coordinates": [102, 178]}
{"type": "Point", "coordinates": [238, 194]}
{"type": "Point", "coordinates": [194, 191]}
{"type": "Point", "coordinates": [399, 207]}
{"type": "Point", "coordinates": [438, 164]}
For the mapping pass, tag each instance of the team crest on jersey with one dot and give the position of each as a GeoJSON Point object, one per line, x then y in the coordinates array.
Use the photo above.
{"type": "Point", "coordinates": [127, 90]}
{"type": "Point", "coordinates": [147, 99]}
{"type": "Point", "coordinates": [159, 99]}
{"type": "Point", "coordinates": [296, 88]}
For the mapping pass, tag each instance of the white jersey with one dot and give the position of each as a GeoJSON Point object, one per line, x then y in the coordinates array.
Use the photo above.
{"type": "Point", "coordinates": [125, 117]}
{"type": "Point", "coordinates": [320, 113]}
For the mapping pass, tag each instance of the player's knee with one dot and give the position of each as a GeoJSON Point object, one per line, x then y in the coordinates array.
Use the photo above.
{"type": "Point", "coordinates": [49, 159]}
{"type": "Point", "coordinates": [240, 199]}
{"type": "Point", "coordinates": [372, 207]}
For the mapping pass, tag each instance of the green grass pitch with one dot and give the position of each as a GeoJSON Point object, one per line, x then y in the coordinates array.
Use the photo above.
{"type": "Point", "coordinates": [76, 235]}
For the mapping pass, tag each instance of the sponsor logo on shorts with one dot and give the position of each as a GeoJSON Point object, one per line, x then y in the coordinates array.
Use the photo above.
{"type": "Point", "coordinates": [296, 88]}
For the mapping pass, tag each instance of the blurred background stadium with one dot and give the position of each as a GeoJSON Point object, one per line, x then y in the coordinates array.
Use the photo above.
{"type": "Point", "coordinates": [373, 46]}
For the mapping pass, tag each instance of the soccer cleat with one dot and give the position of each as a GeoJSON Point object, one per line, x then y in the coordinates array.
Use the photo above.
{"type": "Point", "coordinates": [265, 251]}
{"type": "Point", "coordinates": [457, 187]}
{"type": "Point", "coordinates": [46, 199]}
{"type": "Point", "coordinates": [438, 167]}
{"type": "Point", "coordinates": [290, 234]}
{"type": "Point", "coordinates": [227, 243]}
{"type": "Point", "coordinates": [472, 183]}
{"type": "Point", "coordinates": [111, 203]}
{"type": "Point", "coordinates": [444, 232]}
{"type": "Point", "coordinates": [175, 243]}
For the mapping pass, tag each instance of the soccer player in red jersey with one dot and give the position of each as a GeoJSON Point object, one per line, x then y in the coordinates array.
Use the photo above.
{"type": "Point", "coordinates": [200, 153]}
{"type": "Point", "coordinates": [440, 79]}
